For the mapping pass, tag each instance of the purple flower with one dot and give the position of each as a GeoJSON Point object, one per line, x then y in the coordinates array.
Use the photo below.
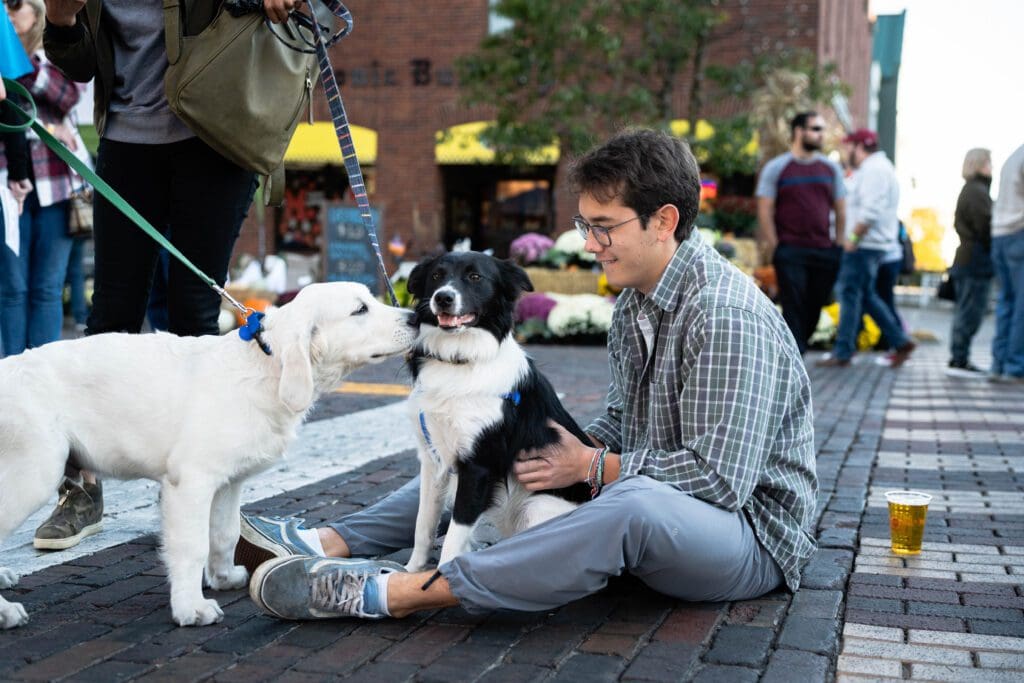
{"type": "Point", "coordinates": [535, 305]}
{"type": "Point", "coordinates": [530, 247]}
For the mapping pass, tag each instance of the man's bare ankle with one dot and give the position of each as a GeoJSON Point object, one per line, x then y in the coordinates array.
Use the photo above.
{"type": "Point", "coordinates": [334, 545]}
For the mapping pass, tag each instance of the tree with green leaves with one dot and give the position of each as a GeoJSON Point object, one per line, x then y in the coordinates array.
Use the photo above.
{"type": "Point", "coordinates": [576, 70]}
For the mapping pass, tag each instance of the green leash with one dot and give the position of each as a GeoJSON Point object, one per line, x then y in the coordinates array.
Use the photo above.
{"type": "Point", "coordinates": [250, 331]}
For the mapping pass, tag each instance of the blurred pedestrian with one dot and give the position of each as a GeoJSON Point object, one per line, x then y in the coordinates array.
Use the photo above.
{"type": "Point", "coordinates": [14, 182]}
{"type": "Point", "coordinates": [799, 197]}
{"type": "Point", "coordinates": [972, 266]}
{"type": "Point", "coordinates": [32, 281]}
{"type": "Point", "coordinates": [1008, 258]}
{"type": "Point", "coordinates": [872, 231]}
{"type": "Point", "coordinates": [14, 157]}
{"type": "Point", "coordinates": [153, 160]}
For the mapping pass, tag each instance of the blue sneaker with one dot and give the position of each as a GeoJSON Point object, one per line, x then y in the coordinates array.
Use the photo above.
{"type": "Point", "coordinates": [264, 538]}
{"type": "Point", "coordinates": [299, 587]}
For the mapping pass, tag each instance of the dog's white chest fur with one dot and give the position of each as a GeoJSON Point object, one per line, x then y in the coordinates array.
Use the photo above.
{"type": "Point", "coordinates": [452, 403]}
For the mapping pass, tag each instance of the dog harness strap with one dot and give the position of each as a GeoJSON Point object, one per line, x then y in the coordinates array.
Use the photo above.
{"type": "Point", "coordinates": [438, 460]}
{"type": "Point", "coordinates": [514, 396]}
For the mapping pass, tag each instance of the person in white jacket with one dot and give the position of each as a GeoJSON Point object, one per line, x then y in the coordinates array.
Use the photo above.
{"type": "Point", "coordinates": [1008, 258]}
{"type": "Point", "coordinates": [872, 229]}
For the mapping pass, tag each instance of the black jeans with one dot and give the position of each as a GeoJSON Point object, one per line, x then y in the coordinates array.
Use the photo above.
{"type": "Point", "coordinates": [199, 199]}
{"type": "Point", "coordinates": [806, 276]}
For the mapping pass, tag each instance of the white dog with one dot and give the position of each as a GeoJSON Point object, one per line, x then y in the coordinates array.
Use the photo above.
{"type": "Point", "coordinates": [197, 414]}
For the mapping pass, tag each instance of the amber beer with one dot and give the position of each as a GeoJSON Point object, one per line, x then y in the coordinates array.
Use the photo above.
{"type": "Point", "coordinates": [907, 512]}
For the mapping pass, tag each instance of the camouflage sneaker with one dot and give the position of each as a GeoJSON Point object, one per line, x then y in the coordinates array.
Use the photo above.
{"type": "Point", "coordinates": [79, 513]}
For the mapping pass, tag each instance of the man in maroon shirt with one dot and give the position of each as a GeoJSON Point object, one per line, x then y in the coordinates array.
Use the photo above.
{"type": "Point", "coordinates": [797, 194]}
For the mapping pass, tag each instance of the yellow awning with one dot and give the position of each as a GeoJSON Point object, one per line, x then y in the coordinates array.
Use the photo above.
{"type": "Point", "coordinates": [461, 144]}
{"type": "Point", "coordinates": [318, 144]}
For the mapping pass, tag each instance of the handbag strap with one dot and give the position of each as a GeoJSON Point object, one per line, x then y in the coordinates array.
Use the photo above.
{"type": "Point", "coordinates": [172, 30]}
{"type": "Point", "coordinates": [337, 108]}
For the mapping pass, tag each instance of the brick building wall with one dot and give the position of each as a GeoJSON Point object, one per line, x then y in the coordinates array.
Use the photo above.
{"type": "Point", "coordinates": [844, 37]}
{"type": "Point", "coordinates": [396, 75]}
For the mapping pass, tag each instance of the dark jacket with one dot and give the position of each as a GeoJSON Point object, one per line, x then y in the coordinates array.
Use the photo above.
{"type": "Point", "coordinates": [15, 148]}
{"type": "Point", "coordinates": [973, 222]}
{"type": "Point", "coordinates": [84, 51]}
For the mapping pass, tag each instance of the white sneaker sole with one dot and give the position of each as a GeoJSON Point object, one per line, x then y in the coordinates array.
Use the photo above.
{"type": "Point", "coordinates": [964, 374]}
{"type": "Point", "coordinates": [70, 541]}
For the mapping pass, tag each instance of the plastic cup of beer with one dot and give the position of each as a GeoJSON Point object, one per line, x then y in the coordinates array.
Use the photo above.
{"type": "Point", "coordinates": [907, 512]}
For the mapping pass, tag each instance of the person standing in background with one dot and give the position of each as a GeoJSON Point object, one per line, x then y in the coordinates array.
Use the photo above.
{"type": "Point", "coordinates": [14, 158]}
{"type": "Point", "coordinates": [31, 293]}
{"type": "Point", "coordinates": [797, 194]}
{"type": "Point", "coordinates": [972, 266]}
{"type": "Point", "coordinates": [1008, 258]}
{"type": "Point", "coordinates": [873, 229]}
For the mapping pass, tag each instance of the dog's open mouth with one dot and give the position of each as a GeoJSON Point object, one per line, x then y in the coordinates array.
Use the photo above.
{"type": "Point", "coordinates": [452, 322]}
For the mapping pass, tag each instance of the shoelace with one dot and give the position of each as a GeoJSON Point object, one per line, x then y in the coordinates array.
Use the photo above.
{"type": "Point", "coordinates": [339, 591]}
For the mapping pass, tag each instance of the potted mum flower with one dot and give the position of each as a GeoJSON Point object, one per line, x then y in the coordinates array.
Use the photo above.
{"type": "Point", "coordinates": [580, 318]}
{"type": "Point", "coordinates": [530, 248]}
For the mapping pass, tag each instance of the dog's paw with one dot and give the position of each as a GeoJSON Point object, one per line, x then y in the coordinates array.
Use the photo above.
{"type": "Point", "coordinates": [415, 565]}
{"type": "Point", "coordinates": [203, 613]}
{"type": "Point", "coordinates": [235, 577]}
{"type": "Point", "coordinates": [12, 614]}
{"type": "Point", "coordinates": [7, 577]}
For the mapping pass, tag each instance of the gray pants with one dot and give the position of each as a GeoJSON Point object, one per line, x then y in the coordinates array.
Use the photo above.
{"type": "Point", "coordinates": [674, 543]}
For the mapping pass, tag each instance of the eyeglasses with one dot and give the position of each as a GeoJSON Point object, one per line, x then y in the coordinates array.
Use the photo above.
{"type": "Point", "coordinates": [600, 231]}
{"type": "Point", "coordinates": [13, 5]}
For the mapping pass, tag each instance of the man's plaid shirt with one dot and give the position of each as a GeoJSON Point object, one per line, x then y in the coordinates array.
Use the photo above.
{"type": "Point", "coordinates": [721, 407]}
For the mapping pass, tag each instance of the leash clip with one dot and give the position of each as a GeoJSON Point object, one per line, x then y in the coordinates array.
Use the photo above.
{"type": "Point", "coordinates": [252, 330]}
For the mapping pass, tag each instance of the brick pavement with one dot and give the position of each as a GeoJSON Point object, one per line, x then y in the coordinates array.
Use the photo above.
{"type": "Point", "coordinates": [954, 613]}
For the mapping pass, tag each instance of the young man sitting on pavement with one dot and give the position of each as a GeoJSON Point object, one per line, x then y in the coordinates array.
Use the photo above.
{"type": "Point", "coordinates": [709, 484]}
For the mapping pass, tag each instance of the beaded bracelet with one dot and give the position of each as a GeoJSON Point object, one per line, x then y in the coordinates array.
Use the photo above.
{"type": "Point", "coordinates": [598, 482]}
{"type": "Point", "coordinates": [591, 470]}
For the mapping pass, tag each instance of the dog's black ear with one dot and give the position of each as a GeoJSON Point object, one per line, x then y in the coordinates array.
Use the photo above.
{"type": "Point", "coordinates": [514, 279]}
{"type": "Point", "coordinates": [417, 284]}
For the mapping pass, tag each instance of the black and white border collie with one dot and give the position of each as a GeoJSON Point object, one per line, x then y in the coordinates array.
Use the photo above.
{"type": "Point", "coordinates": [477, 400]}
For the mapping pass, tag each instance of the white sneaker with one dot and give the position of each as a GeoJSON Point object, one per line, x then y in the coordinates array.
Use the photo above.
{"type": "Point", "coordinates": [964, 370]}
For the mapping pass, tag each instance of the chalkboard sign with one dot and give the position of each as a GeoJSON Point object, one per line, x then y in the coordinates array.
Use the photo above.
{"type": "Point", "coordinates": [347, 251]}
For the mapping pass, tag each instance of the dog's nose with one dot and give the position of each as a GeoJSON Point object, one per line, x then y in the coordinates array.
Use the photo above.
{"type": "Point", "coordinates": [444, 299]}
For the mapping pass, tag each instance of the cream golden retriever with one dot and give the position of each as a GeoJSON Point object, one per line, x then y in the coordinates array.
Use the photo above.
{"type": "Point", "coordinates": [199, 415]}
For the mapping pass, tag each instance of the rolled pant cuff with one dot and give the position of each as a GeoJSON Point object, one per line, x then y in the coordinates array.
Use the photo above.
{"type": "Point", "coordinates": [463, 588]}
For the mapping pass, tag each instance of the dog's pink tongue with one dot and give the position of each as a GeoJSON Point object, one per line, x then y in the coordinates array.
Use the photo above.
{"type": "Point", "coordinates": [446, 320]}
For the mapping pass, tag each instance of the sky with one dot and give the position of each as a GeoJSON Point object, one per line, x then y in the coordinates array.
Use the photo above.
{"type": "Point", "coordinates": [961, 85]}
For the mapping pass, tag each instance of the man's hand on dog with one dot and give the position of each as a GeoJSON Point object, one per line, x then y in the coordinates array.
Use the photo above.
{"type": "Point", "coordinates": [563, 463]}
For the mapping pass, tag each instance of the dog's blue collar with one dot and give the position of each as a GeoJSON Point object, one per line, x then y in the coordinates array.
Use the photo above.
{"type": "Point", "coordinates": [252, 330]}
{"type": "Point", "coordinates": [514, 396]}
